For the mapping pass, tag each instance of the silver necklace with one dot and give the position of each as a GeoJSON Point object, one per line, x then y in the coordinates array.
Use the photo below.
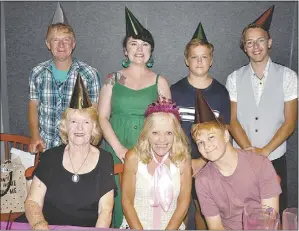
{"type": "Point", "coordinates": [75, 176]}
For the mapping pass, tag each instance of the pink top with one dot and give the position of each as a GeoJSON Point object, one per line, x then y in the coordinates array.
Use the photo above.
{"type": "Point", "coordinates": [253, 179]}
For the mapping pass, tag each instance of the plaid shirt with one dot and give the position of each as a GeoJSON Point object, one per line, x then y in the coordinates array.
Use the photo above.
{"type": "Point", "coordinates": [54, 97]}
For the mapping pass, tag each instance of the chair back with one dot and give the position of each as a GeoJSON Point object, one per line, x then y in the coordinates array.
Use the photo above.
{"type": "Point", "coordinates": [19, 142]}
{"type": "Point", "coordinates": [118, 170]}
{"type": "Point", "coordinates": [16, 141]}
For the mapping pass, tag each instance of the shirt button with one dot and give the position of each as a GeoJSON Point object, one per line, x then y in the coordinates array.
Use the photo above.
{"type": "Point", "coordinates": [135, 127]}
{"type": "Point", "coordinates": [256, 118]}
{"type": "Point", "coordinates": [256, 130]}
{"type": "Point", "coordinates": [261, 83]}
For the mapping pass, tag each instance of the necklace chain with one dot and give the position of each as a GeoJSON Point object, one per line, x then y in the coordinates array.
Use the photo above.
{"type": "Point", "coordinates": [75, 172]}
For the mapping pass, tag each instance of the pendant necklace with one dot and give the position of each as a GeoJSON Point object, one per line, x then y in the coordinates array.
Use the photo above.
{"type": "Point", "coordinates": [75, 176]}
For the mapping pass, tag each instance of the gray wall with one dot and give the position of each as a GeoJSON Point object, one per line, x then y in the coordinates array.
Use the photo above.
{"type": "Point", "coordinates": [100, 27]}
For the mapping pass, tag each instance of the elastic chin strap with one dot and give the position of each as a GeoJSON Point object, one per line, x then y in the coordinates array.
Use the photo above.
{"type": "Point", "coordinates": [161, 193]}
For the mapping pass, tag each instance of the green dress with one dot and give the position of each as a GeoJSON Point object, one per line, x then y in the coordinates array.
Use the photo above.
{"type": "Point", "coordinates": [127, 116]}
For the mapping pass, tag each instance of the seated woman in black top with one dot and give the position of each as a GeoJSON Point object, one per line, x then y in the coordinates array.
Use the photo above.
{"type": "Point", "coordinates": [73, 183]}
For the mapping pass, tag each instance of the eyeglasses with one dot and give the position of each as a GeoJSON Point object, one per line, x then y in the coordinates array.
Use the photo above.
{"type": "Point", "coordinates": [259, 41]}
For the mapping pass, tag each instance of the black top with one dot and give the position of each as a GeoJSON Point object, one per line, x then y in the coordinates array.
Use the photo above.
{"type": "Point", "coordinates": [69, 203]}
{"type": "Point", "coordinates": [184, 94]}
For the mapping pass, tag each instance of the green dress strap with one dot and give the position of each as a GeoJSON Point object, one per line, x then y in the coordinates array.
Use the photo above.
{"type": "Point", "coordinates": [115, 76]}
{"type": "Point", "coordinates": [157, 78]}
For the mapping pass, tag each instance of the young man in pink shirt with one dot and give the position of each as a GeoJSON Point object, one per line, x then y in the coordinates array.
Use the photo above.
{"type": "Point", "coordinates": [233, 178]}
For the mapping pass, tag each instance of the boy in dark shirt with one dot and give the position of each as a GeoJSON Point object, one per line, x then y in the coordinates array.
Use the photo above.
{"type": "Point", "coordinates": [199, 58]}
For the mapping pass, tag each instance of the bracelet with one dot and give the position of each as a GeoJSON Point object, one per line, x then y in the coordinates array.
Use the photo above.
{"type": "Point", "coordinates": [38, 223]}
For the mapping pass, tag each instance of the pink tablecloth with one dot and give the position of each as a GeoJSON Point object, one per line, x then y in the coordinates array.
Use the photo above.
{"type": "Point", "coordinates": [26, 226]}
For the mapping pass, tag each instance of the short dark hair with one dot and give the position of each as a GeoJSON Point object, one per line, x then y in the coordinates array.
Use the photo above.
{"type": "Point", "coordinates": [250, 26]}
{"type": "Point", "coordinates": [146, 36]}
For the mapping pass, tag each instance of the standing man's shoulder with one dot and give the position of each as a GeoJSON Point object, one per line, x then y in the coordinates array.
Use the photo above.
{"type": "Point", "coordinates": [93, 77]}
{"type": "Point", "coordinates": [231, 82]}
{"type": "Point", "coordinates": [287, 72]}
{"type": "Point", "coordinates": [238, 71]}
{"type": "Point", "coordinates": [41, 67]}
{"type": "Point", "coordinates": [86, 68]}
{"type": "Point", "coordinates": [287, 69]}
{"type": "Point", "coordinates": [290, 82]}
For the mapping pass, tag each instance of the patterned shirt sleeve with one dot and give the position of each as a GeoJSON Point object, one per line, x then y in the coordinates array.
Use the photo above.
{"type": "Point", "coordinates": [94, 86]}
{"type": "Point", "coordinates": [33, 91]}
{"type": "Point", "coordinates": [290, 87]}
{"type": "Point", "coordinates": [231, 86]}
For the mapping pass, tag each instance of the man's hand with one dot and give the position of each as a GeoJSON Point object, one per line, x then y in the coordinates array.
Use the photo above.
{"type": "Point", "coordinates": [36, 144]}
{"type": "Point", "coordinates": [261, 151]}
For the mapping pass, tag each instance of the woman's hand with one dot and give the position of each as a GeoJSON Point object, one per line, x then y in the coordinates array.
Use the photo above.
{"type": "Point", "coordinates": [43, 225]}
{"type": "Point", "coordinates": [121, 153]}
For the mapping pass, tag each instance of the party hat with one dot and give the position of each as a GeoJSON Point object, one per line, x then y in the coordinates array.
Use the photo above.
{"type": "Point", "coordinates": [80, 98]}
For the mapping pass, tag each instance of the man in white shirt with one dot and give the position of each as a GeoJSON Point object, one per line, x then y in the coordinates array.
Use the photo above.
{"type": "Point", "coordinates": [263, 98]}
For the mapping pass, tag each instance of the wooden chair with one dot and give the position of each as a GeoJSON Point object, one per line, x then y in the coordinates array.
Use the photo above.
{"type": "Point", "coordinates": [19, 142]}
{"type": "Point", "coordinates": [118, 169]}
{"type": "Point", "coordinates": [16, 141]}
{"type": "Point", "coordinates": [22, 143]}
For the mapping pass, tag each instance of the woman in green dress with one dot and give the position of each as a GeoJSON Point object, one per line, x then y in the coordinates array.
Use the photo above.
{"type": "Point", "coordinates": [125, 96]}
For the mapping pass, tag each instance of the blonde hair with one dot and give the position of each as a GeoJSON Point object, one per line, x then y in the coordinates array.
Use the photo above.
{"type": "Point", "coordinates": [197, 129]}
{"type": "Point", "coordinates": [180, 149]}
{"type": "Point", "coordinates": [92, 113]}
{"type": "Point", "coordinates": [61, 27]}
{"type": "Point", "coordinates": [197, 42]}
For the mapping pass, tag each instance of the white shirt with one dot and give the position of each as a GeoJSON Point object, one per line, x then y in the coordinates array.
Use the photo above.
{"type": "Point", "coordinates": [289, 84]}
{"type": "Point", "coordinates": [142, 198]}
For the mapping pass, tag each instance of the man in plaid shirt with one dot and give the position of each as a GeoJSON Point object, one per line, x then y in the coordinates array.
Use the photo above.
{"type": "Point", "coordinates": [51, 85]}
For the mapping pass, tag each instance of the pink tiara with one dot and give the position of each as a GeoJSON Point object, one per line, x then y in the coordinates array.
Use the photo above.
{"type": "Point", "coordinates": [162, 104]}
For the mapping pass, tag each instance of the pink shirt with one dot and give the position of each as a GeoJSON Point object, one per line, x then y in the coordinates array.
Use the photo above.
{"type": "Point", "coordinates": [253, 179]}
